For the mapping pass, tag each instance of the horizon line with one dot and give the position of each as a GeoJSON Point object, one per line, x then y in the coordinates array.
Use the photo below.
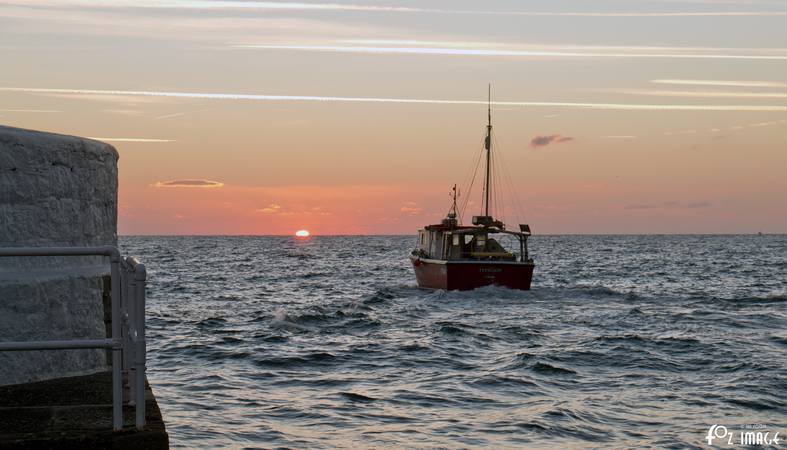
{"type": "Point", "coordinates": [292, 235]}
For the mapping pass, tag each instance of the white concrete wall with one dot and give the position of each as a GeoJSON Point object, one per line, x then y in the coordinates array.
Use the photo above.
{"type": "Point", "coordinates": [55, 190]}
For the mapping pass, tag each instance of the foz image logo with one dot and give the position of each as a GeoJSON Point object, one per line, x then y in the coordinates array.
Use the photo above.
{"type": "Point", "coordinates": [747, 436]}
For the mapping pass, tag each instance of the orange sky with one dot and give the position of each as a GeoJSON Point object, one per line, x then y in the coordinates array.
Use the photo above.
{"type": "Point", "coordinates": [358, 117]}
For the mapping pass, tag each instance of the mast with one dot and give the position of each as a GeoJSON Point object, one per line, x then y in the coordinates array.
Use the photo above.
{"type": "Point", "coordinates": [488, 145]}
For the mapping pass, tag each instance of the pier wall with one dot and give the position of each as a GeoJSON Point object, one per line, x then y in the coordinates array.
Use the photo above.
{"type": "Point", "coordinates": [55, 190]}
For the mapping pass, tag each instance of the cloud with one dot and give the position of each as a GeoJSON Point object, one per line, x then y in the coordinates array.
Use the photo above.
{"type": "Point", "coordinates": [725, 83]}
{"type": "Point", "coordinates": [107, 19]}
{"type": "Point", "coordinates": [170, 116]}
{"type": "Point", "coordinates": [312, 98]}
{"type": "Point", "coordinates": [411, 208]}
{"type": "Point", "coordinates": [543, 141]}
{"type": "Point", "coordinates": [273, 208]}
{"type": "Point", "coordinates": [697, 205]}
{"type": "Point", "coordinates": [279, 210]}
{"type": "Point", "coordinates": [178, 114]}
{"type": "Point", "coordinates": [304, 6]}
{"type": "Point", "coordinates": [705, 94]}
{"type": "Point", "coordinates": [188, 183]}
{"type": "Point", "coordinates": [30, 110]}
{"type": "Point", "coordinates": [126, 139]}
{"type": "Point", "coordinates": [732, 128]}
{"type": "Point", "coordinates": [557, 47]}
{"type": "Point", "coordinates": [621, 52]}
{"type": "Point", "coordinates": [669, 205]}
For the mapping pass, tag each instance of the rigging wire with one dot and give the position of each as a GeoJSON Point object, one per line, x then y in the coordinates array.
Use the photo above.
{"type": "Point", "coordinates": [499, 166]}
{"type": "Point", "coordinates": [507, 190]}
{"type": "Point", "coordinates": [519, 209]}
{"type": "Point", "coordinates": [500, 193]}
{"type": "Point", "coordinates": [470, 188]}
{"type": "Point", "coordinates": [469, 172]}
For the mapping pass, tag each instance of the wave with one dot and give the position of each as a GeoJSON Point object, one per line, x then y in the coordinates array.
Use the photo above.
{"type": "Point", "coordinates": [309, 359]}
{"type": "Point", "coordinates": [352, 396]}
{"type": "Point", "coordinates": [211, 322]}
{"type": "Point", "coordinates": [765, 300]}
{"type": "Point", "coordinates": [549, 369]}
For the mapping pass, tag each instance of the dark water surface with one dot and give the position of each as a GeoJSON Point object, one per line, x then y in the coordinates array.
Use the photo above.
{"type": "Point", "coordinates": [623, 341]}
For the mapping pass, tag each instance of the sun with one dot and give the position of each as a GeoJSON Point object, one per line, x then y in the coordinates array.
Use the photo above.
{"type": "Point", "coordinates": [302, 233]}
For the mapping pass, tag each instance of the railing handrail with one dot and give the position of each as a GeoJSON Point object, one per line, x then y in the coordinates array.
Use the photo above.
{"type": "Point", "coordinates": [127, 283]}
{"type": "Point", "coordinates": [103, 250]}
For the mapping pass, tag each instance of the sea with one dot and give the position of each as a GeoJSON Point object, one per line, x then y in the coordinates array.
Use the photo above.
{"type": "Point", "coordinates": [623, 341]}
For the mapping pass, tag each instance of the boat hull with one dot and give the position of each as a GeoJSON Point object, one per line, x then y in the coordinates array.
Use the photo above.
{"type": "Point", "coordinates": [467, 275]}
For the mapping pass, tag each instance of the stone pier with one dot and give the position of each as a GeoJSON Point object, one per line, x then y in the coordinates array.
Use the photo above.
{"type": "Point", "coordinates": [56, 190]}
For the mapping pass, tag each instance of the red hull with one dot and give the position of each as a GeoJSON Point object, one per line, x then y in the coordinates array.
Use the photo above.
{"type": "Point", "coordinates": [467, 275]}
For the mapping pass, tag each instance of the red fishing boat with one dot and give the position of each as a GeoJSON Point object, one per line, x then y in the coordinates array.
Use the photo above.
{"type": "Point", "coordinates": [453, 256]}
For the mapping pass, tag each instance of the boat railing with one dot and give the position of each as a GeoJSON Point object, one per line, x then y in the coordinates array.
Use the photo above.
{"type": "Point", "coordinates": [128, 279]}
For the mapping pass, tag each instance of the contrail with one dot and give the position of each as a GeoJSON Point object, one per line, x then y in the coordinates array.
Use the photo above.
{"type": "Point", "coordinates": [314, 98]}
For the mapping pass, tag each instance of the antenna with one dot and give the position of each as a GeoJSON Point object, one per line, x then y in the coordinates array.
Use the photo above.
{"type": "Point", "coordinates": [489, 104]}
{"type": "Point", "coordinates": [452, 213]}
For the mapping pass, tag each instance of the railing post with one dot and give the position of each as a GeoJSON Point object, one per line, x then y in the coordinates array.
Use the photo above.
{"type": "Point", "coordinates": [140, 277]}
{"type": "Point", "coordinates": [123, 300]}
{"type": "Point", "coordinates": [117, 379]}
{"type": "Point", "coordinates": [130, 331]}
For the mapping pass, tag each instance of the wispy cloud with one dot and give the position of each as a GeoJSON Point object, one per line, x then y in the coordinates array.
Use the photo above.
{"type": "Point", "coordinates": [732, 128]}
{"type": "Point", "coordinates": [697, 205]}
{"type": "Point", "coordinates": [311, 98]}
{"type": "Point", "coordinates": [188, 183]}
{"type": "Point", "coordinates": [555, 47]}
{"type": "Point", "coordinates": [680, 133]}
{"type": "Point", "coordinates": [177, 114]}
{"type": "Point", "coordinates": [411, 208]}
{"type": "Point", "coordinates": [273, 208]}
{"type": "Point", "coordinates": [670, 205]}
{"type": "Point", "coordinates": [304, 6]}
{"type": "Point", "coordinates": [30, 111]}
{"type": "Point", "coordinates": [723, 2]}
{"type": "Point", "coordinates": [126, 139]}
{"type": "Point", "coordinates": [492, 52]}
{"type": "Point", "coordinates": [726, 83]}
{"type": "Point", "coordinates": [169, 116]}
{"type": "Point", "coordinates": [106, 19]}
{"type": "Point", "coordinates": [699, 94]}
{"type": "Point", "coordinates": [543, 141]}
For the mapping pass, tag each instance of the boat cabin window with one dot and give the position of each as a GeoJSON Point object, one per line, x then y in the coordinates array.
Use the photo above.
{"type": "Point", "coordinates": [456, 239]}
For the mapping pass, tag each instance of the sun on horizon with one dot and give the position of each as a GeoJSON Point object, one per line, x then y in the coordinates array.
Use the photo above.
{"type": "Point", "coordinates": [302, 233]}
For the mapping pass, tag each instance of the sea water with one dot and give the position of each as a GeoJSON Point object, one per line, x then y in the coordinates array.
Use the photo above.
{"type": "Point", "coordinates": [325, 342]}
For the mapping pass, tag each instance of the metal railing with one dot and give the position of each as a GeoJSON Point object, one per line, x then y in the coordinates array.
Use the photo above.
{"type": "Point", "coordinates": [128, 281]}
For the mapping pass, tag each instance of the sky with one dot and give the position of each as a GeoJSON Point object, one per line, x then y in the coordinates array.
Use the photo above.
{"type": "Point", "coordinates": [358, 117]}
